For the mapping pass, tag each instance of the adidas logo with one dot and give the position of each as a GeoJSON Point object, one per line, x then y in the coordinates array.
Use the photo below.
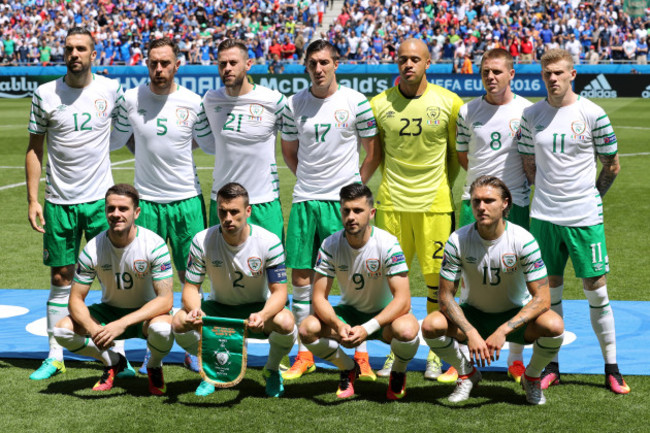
{"type": "Point", "coordinates": [646, 92]}
{"type": "Point", "coordinates": [599, 88]}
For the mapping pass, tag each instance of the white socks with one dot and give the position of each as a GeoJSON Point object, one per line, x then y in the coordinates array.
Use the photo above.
{"type": "Point", "coordinates": [57, 309]}
{"type": "Point", "coordinates": [448, 350]}
{"type": "Point", "coordinates": [85, 346]}
{"type": "Point", "coordinates": [159, 342]}
{"type": "Point", "coordinates": [556, 305]}
{"type": "Point", "coordinates": [189, 341]}
{"type": "Point", "coordinates": [281, 345]}
{"type": "Point", "coordinates": [330, 350]}
{"type": "Point", "coordinates": [301, 307]}
{"type": "Point", "coordinates": [544, 350]}
{"type": "Point", "coordinates": [404, 351]}
{"type": "Point", "coordinates": [602, 322]}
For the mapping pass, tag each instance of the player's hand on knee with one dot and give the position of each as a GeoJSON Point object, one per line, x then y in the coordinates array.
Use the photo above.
{"type": "Point", "coordinates": [494, 343]}
{"type": "Point", "coordinates": [478, 349]}
{"type": "Point", "coordinates": [256, 322]}
{"type": "Point", "coordinates": [356, 336]}
{"type": "Point", "coordinates": [195, 317]}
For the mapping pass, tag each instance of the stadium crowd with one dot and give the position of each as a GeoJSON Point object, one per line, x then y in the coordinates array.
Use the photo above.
{"type": "Point", "coordinates": [365, 31]}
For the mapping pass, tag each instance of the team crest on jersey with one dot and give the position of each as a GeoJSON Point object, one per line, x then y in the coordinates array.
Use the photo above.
{"type": "Point", "coordinates": [101, 105]}
{"type": "Point", "coordinates": [342, 117]}
{"type": "Point", "coordinates": [433, 113]}
{"type": "Point", "coordinates": [372, 265]}
{"type": "Point", "coordinates": [514, 127]}
{"type": "Point", "coordinates": [182, 116]}
{"type": "Point", "coordinates": [256, 111]}
{"type": "Point", "coordinates": [255, 265]}
{"type": "Point", "coordinates": [509, 260]}
{"type": "Point", "coordinates": [141, 267]}
{"type": "Point", "coordinates": [578, 127]}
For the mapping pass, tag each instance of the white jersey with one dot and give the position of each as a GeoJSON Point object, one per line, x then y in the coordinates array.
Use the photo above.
{"type": "Point", "coordinates": [565, 142]}
{"type": "Point", "coordinates": [163, 127]}
{"type": "Point", "coordinates": [125, 274]}
{"type": "Point", "coordinates": [329, 132]}
{"type": "Point", "coordinates": [362, 273]}
{"type": "Point", "coordinates": [495, 272]}
{"type": "Point", "coordinates": [488, 134]}
{"type": "Point", "coordinates": [244, 129]}
{"type": "Point", "coordinates": [78, 126]}
{"type": "Point", "coordinates": [238, 275]}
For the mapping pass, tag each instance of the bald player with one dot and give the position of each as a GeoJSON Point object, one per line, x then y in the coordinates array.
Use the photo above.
{"type": "Point", "coordinates": [417, 129]}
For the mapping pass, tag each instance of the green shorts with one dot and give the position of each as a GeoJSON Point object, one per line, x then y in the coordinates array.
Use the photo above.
{"type": "Point", "coordinates": [243, 311]}
{"type": "Point", "coordinates": [176, 222]}
{"type": "Point", "coordinates": [519, 215]}
{"type": "Point", "coordinates": [64, 226]}
{"type": "Point", "coordinates": [266, 215]}
{"type": "Point", "coordinates": [585, 245]}
{"type": "Point", "coordinates": [354, 317]}
{"type": "Point", "coordinates": [310, 222]}
{"type": "Point", "coordinates": [487, 323]}
{"type": "Point", "coordinates": [105, 314]}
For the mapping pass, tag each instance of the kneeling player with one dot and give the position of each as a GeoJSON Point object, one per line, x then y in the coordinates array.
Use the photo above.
{"type": "Point", "coordinates": [507, 295]}
{"type": "Point", "coordinates": [248, 278]}
{"type": "Point", "coordinates": [134, 270]}
{"type": "Point", "coordinates": [375, 296]}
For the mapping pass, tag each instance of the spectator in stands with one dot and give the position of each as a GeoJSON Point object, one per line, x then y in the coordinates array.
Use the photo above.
{"type": "Point", "coordinates": [288, 49]}
{"type": "Point", "coordinates": [574, 47]}
{"type": "Point", "coordinates": [641, 50]}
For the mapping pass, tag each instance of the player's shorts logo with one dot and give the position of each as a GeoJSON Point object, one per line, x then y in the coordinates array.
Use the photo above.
{"type": "Point", "coordinates": [46, 254]}
{"type": "Point", "coordinates": [341, 117]}
{"type": "Point", "coordinates": [509, 260]}
{"type": "Point", "coordinates": [141, 267]}
{"type": "Point", "coordinates": [256, 111]}
{"type": "Point", "coordinates": [182, 116]}
{"type": "Point", "coordinates": [578, 127]}
{"type": "Point", "coordinates": [101, 105]}
{"type": "Point", "coordinates": [255, 265]}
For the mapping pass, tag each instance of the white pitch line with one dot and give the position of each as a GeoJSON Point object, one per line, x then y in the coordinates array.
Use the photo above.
{"type": "Point", "coordinates": [634, 154]}
{"type": "Point", "coordinates": [16, 185]}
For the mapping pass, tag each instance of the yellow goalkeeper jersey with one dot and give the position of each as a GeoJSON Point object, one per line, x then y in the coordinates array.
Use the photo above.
{"type": "Point", "coordinates": [419, 142]}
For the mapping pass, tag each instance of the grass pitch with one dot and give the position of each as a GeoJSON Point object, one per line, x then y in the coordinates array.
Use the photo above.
{"type": "Point", "coordinates": [66, 403]}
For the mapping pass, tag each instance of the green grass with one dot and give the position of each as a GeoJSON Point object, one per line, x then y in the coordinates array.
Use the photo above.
{"type": "Point", "coordinates": [66, 403]}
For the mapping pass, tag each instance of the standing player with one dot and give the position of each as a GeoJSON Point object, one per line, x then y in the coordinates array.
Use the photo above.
{"type": "Point", "coordinates": [486, 145]}
{"type": "Point", "coordinates": [135, 273]}
{"type": "Point", "coordinates": [507, 295]}
{"type": "Point", "coordinates": [248, 278]}
{"type": "Point", "coordinates": [320, 144]}
{"type": "Point", "coordinates": [164, 118]}
{"type": "Point", "coordinates": [417, 126]}
{"type": "Point", "coordinates": [562, 136]}
{"type": "Point", "coordinates": [245, 118]}
{"type": "Point", "coordinates": [375, 302]}
{"type": "Point", "coordinates": [74, 113]}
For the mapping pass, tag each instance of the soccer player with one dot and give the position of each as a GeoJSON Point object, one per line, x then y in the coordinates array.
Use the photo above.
{"type": "Point", "coordinates": [245, 118]}
{"type": "Point", "coordinates": [417, 126]}
{"type": "Point", "coordinates": [507, 295]}
{"type": "Point", "coordinates": [164, 118]}
{"type": "Point", "coordinates": [135, 273]}
{"type": "Point", "coordinates": [486, 145]}
{"type": "Point", "coordinates": [561, 136]}
{"type": "Point", "coordinates": [320, 144]}
{"type": "Point", "coordinates": [375, 302]}
{"type": "Point", "coordinates": [248, 279]}
{"type": "Point", "coordinates": [74, 113]}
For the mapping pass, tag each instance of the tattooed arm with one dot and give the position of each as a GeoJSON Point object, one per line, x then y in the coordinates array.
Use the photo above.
{"type": "Point", "coordinates": [478, 348]}
{"type": "Point", "coordinates": [610, 170]}
{"type": "Point", "coordinates": [530, 169]}
{"type": "Point", "coordinates": [540, 303]}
